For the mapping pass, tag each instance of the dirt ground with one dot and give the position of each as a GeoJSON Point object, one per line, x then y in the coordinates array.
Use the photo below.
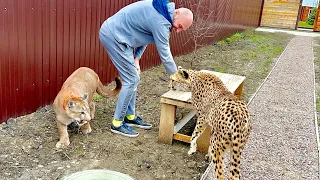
{"type": "Point", "coordinates": [27, 143]}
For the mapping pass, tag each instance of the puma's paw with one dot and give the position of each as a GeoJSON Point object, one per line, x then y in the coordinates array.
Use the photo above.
{"type": "Point", "coordinates": [86, 130]}
{"type": "Point", "coordinates": [62, 144]}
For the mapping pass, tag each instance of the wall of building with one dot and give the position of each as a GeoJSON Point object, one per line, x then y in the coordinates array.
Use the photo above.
{"type": "Point", "coordinates": [304, 13]}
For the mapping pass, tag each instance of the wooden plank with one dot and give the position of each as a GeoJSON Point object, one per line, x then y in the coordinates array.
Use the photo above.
{"type": "Point", "coordinates": [184, 121]}
{"type": "Point", "coordinates": [177, 95]}
{"type": "Point", "coordinates": [177, 103]}
{"type": "Point", "coordinates": [186, 96]}
{"type": "Point", "coordinates": [182, 137]}
{"type": "Point", "coordinates": [234, 83]}
{"type": "Point", "coordinates": [166, 126]}
{"type": "Point", "coordinates": [226, 78]}
{"type": "Point", "coordinates": [229, 80]}
{"type": "Point", "coordinates": [172, 94]}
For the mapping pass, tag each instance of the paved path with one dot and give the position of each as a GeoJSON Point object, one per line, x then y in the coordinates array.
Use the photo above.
{"type": "Point", "coordinates": [298, 32]}
{"type": "Point", "coordinates": [283, 143]}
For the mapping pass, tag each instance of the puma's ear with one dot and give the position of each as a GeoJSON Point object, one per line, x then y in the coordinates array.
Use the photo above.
{"type": "Point", "coordinates": [85, 97]}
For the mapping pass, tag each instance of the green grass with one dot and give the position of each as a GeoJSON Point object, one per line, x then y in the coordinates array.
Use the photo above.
{"type": "Point", "coordinates": [97, 96]}
{"type": "Point", "coordinates": [234, 37]}
{"type": "Point", "coordinates": [304, 25]}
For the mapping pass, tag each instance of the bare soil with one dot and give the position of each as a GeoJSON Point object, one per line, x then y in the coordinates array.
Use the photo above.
{"type": "Point", "coordinates": [28, 142]}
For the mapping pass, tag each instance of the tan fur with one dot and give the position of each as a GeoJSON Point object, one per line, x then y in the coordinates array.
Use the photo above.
{"type": "Point", "coordinates": [227, 116]}
{"type": "Point", "coordinates": [74, 101]}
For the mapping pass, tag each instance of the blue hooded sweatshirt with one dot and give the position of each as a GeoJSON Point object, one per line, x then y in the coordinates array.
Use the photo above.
{"type": "Point", "coordinates": [140, 24]}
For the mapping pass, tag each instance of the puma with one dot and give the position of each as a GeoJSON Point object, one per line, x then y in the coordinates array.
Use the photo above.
{"type": "Point", "coordinates": [74, 104]}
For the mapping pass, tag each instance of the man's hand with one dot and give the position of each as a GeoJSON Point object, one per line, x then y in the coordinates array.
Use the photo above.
{"type": "Point", "coordinates": [137, 65]}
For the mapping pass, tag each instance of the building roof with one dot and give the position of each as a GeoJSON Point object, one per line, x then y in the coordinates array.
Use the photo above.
{"type": "Point", "coordinates": [310, 3]}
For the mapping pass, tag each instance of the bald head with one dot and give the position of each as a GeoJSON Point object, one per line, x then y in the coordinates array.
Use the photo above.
{"type": "Point", "coordinates": [182, 19]}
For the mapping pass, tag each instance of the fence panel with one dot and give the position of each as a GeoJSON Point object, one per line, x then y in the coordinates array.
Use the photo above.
{"type": "Point", "coordinates": [44, 41]}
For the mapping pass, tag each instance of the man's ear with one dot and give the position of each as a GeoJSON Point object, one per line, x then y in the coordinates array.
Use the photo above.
{"type": "Point", "coordinates": [176, 12]}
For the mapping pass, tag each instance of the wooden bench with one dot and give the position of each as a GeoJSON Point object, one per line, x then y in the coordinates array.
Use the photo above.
{"type": "Point", "coordinates": [172, 99]}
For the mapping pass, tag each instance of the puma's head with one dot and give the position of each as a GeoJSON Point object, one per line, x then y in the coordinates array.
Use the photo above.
{"type": "Point", "coordinates": [77, 108]}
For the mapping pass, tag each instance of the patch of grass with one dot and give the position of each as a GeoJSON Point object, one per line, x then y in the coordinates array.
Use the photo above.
{"type": "Point", "coordinates": [237, 36]}
{"type": "Point", "coordinates": [97, 96]}
{"type": "Point", "coordinates": [234, 37]}
{"type": "Point", "coordinates": [304, 25]}
{"type": "Point", "coordinates": [221, 70]}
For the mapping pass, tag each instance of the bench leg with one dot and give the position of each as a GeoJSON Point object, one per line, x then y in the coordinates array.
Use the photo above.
{"type": "Point", "coordinates": [168, 113]}
{"type": "Point", "coordinates": [204, 141]}
{"type": "Point", "coordinates": [238, 91]}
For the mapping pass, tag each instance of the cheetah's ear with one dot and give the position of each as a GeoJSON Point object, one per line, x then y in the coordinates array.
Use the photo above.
{"type": "Point", "coordinates": [185, 74]}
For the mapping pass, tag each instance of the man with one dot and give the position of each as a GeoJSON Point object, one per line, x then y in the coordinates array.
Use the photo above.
{"type": "Point", "coordinates": [125, 36]}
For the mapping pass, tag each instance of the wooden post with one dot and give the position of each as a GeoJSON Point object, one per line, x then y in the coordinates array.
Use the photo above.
{"type": "Point", "coordinates": [168, 113]}
{"type": "Point", "coordinates": [238, 91]}
{"type": "Point", "coordinates": [316, 24]}
{"type": "Point", "coordinates": [204, 140]}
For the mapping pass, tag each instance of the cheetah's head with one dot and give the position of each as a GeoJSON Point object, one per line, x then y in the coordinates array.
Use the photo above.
{"type": "Point", "coordinates": [181, 77]}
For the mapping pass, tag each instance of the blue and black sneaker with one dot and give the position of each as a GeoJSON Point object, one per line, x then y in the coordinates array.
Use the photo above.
{"type": "Point", "coordinates": [124, 130]}
{"type": "Point", "coordinates": [138, 122]}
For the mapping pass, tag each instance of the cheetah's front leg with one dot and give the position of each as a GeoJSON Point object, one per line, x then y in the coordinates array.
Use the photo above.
{"type": "Point", "coordinates": [198, 130]}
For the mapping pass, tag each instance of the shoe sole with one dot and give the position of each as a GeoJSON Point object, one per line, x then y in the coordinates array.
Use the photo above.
{"type": "Point", "coordinates": [139, 126]}
{"type": "Point", "coordinates": [121, 133]}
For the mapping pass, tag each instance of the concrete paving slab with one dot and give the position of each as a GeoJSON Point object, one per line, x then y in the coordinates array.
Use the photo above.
{"type": "Point", "coordinates": [298, 32]}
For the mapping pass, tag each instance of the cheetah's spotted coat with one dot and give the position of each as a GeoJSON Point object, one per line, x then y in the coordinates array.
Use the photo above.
{"type": "Point", "coordinates": [227, 116]}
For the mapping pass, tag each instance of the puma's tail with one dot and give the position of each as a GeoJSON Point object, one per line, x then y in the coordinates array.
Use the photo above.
{"type": "Point", "coordinates": [103, 91]}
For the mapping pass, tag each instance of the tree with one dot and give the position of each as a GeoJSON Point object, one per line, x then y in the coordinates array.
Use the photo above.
{"type": "Point", "coordinates": [204, 23]}
{"type": "Point", "coordinates": [312, 16]}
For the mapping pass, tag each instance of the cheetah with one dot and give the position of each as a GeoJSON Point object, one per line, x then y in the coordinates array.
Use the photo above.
{"type": "Point", "coordinates": [227, 116]}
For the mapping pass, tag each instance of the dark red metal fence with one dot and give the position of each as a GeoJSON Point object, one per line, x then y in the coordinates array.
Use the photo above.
{"type": "Point", "coordinates": [43, 41]}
